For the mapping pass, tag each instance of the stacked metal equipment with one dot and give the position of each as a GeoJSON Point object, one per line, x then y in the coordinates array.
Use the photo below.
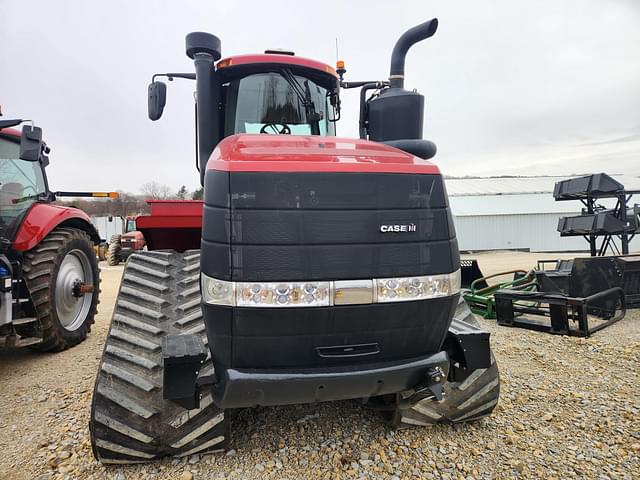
{"type": "Point", "coordinates": [622, 221]}
{"type": "Point", "coordinates": [574, 290]}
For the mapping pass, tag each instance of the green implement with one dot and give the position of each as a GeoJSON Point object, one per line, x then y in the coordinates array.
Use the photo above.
{"type": "Point", "coordinates": [480, 295]}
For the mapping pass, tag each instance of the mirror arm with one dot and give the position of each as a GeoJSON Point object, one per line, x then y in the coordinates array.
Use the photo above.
{"type": "Point", "coordinates": [171, 76]}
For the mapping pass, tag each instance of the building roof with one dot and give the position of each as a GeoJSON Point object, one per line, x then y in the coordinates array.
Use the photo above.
{"type": "Point", "coordinates": [519, 185]}
{"type": "Point", "coordinates": [518, 196]}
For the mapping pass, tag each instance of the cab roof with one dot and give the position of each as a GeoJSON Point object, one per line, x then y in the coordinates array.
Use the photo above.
{"type": "Point", "coordinates": [276, 58]}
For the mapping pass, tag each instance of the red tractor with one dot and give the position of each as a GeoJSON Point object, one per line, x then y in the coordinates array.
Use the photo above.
{"type": "Point", "coordinates": [318, 268]}
{"type": "Point", "coordinates": [123, 245]}
{"type": "Point", "coordinates": [49, 282]}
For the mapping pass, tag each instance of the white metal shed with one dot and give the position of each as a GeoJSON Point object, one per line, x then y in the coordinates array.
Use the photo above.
{"type": "Point", "coordinates": [503, 213]}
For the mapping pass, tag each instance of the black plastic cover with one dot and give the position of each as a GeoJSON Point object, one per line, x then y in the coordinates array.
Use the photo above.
{"type": "Point", "coordinates": [468, 348]}
{"type": "Point", "coordinates": [182, 357]}
{"type": "Point", "coordinates": [397, 114]}
{"type": "Point", "coordinates": [290, 337]}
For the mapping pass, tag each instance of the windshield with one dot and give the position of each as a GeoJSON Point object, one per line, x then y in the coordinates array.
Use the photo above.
{"type": "Point", "coordinates": [20, 183]}
{"type": "Point", "coordinates": [277, 102]}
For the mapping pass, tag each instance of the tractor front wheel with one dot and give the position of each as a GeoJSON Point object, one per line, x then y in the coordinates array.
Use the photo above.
{"type": "Point", "coordinates": [62, 276]}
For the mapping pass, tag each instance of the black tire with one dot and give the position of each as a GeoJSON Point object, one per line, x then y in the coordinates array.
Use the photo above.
{"type": "Point", "coordinates": [130, 421]}
{"type": "Point", "coordinates": [41, 269]}
{"type": "Point", "coordinates": [113, 253]}
{"type": "Point", "coordinates": [473, 398]}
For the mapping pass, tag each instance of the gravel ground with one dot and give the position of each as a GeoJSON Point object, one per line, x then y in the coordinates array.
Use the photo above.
{"type": "Point", "coordinates": [569, 409]}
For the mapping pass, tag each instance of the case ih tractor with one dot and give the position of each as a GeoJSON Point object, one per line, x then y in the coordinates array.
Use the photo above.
{"type": "Point", "coordinates": [319, 268]}
{"type": "Point", "coordinates": [49, 281]}
{"type": "Point", "coordinates": [122, 246]}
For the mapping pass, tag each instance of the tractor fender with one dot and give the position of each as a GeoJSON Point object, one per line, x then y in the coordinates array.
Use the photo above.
{"type": "Point", "coordinates": [42, 218]}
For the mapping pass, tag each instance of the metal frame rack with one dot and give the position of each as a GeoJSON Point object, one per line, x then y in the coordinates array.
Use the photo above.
{"type": "Point", "coordinates": [622, 222]}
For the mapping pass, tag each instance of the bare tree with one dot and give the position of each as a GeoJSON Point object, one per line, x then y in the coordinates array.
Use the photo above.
{"type": "Point", "coordinates": [155, 191]}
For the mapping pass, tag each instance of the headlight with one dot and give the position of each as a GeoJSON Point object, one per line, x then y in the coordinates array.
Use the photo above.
{"type": "Point", "coordinates": [326, 293]}
{"type": "Point", "coordinates": [218, 292]}
{"type": "Point", "coordinates": [403, 289]}
{"type": "Point", "coordinates": [283, 294]}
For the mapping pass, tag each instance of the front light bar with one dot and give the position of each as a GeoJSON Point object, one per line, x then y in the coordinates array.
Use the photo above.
{"type": "Point", "coordinates": [328, 293]}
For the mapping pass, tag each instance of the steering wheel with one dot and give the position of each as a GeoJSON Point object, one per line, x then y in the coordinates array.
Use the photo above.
{"type": "Point", "coordinates": [275, 128]}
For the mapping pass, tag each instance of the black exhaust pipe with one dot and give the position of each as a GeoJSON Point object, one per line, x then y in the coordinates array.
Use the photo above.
{"type": "Point", "coordinates": [406, 41]}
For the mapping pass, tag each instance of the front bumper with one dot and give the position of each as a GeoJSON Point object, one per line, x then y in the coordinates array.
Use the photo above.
{"type": "Point", "coordinates": [125, 252]}
{"type": "Point", "coordinates": [238, 388]}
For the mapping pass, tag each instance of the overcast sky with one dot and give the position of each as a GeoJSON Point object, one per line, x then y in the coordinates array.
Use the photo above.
{"type": "Point", "coordinates": [511, 87]}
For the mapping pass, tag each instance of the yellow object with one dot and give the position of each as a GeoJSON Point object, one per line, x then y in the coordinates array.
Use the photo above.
{"type": "Point", "coordinates": [105, 194]}
{"type": "Point", "coordinates": [224, 63]}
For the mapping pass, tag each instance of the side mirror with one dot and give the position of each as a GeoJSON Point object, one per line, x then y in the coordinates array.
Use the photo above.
{"type": "Point", "coordinates": [31, 143]}
{"type": "Point", "coordinates": [157, 99]}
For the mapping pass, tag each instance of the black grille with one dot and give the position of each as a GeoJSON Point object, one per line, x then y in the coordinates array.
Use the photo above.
{"type": "Point", "coordinates": [305, 226]}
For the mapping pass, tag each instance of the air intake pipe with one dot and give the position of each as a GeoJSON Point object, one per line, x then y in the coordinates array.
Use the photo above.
{"type": "Point", "coordinates": [204, 49]}
{"type": "Point", "coordinates": [402, 46]}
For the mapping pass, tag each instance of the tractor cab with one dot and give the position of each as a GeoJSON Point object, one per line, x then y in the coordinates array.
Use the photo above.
{"type": "Point", "coordinates": [272, 94]}
{"type": "Point", "coordinates": [22, 177]}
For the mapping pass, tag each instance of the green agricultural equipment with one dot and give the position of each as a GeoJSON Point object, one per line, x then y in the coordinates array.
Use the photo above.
{"type": "Point", "coordinates": [576, 297]}
{"type": "Point", "coordinates": [481, 294]}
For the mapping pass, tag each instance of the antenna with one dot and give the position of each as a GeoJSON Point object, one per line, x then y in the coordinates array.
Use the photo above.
{"type": "Point", "coordinates": [340, 70]}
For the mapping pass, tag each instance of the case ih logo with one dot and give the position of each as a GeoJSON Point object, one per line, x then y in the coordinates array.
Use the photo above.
{"type": "Point", "coordinates": [411, 227]}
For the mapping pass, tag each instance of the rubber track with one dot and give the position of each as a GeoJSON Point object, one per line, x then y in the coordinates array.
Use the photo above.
{"type": "Point", "coordinates": [471, 399]}
{"type": "Point", "coordinates": [40, 264]}
{"type": "Point", "coordinates": [130, 421]}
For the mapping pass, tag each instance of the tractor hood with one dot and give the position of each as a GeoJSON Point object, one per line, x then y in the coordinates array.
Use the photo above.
{"type": "Point", "coordinates": [295, 153]}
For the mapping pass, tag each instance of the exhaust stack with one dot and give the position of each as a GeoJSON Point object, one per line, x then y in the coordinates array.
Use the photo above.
{"type": "Point", "coordinates": [397, 114]}
{"type": "Point", "coordinates": [402, 46]}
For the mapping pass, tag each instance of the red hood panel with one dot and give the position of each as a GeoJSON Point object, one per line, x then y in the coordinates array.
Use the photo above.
{"type": "Point", "coordinates": [296, 153]}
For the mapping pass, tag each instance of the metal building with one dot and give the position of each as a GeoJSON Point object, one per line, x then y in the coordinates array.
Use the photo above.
{"type": "Point", "coordinates": [506, 213]}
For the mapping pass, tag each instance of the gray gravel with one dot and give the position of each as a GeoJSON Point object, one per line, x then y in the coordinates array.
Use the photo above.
{"type": "Point", "coordinates": [569, 409]}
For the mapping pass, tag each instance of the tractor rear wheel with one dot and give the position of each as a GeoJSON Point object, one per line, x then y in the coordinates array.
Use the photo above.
{"type": "Point", "coordinates": [62, 276]}
{"type": "Point", "coordinates": [113, 253]}
{"type": "Point", "coordinates": [468, 400]}
{"type": "Point", "coordinates": [130, 420]}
